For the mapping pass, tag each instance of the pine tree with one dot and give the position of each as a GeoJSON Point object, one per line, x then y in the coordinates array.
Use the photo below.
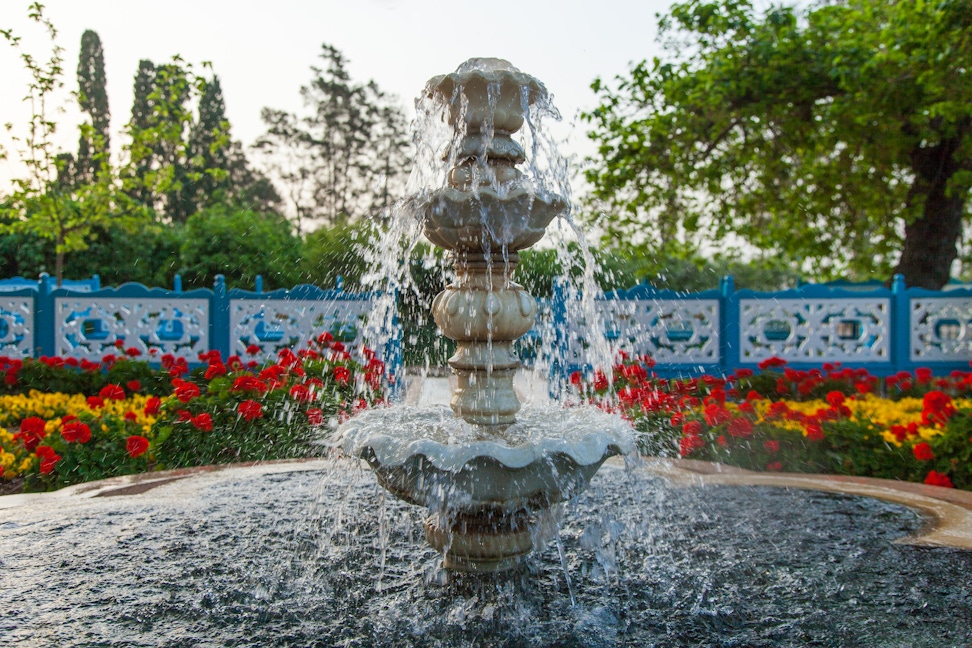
{"type": "Point", "coordinates": [94, 144]}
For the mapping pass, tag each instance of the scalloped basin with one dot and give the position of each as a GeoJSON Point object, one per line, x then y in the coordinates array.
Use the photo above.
{"type": "Point", "coordinates": [429, 457]}
{"type": "Point", "coordinates": [485, 220]}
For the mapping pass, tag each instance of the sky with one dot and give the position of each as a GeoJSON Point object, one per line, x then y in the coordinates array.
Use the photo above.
{"type": "Point", "coordinates": [262, 51]}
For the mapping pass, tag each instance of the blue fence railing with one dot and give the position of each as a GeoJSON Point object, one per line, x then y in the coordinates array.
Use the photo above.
{"type": "Point", "coordinates": [718, 331]}
{"type": "Point", "coordinates": [85, 321]}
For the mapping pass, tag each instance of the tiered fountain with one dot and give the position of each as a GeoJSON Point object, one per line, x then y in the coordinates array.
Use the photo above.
{"type": "Point", "coordinates": [493, 484]}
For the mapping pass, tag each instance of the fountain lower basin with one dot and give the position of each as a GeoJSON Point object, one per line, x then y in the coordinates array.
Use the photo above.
{"type": "Point", "coordinates": [290, 554]}
{"type": "Point", "coordinates": [492, 496]}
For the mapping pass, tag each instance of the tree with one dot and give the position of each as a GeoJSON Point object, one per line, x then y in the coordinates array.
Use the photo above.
{"type": "Point", "coordinates": [182, 158]}
{"type": "Point", "coordinates": [95, 141]}
{"type": "Point", "coordinates": [240, 245]}
{"type": "Point", "coordinates": [347, 157]}
{"type": "Point", "coordinates": [838, 137]}
{"type": "Point", "coordinates": [47, 203]}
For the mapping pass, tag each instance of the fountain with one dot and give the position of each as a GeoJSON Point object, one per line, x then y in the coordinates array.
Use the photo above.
{"type": "Point", "coordinates": [313, 553]}
{"type": "Point", "coordinates": [493, 484]}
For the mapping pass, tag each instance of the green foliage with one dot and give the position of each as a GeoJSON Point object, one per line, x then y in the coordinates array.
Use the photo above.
{"type": "Point", "coordinates": [53, 201]}
{"type": "Point", "coordinates": [239, 244]}
{"type": "Point", "coordinates": [335, 251]}
{"type": "Point", "coordinates": [837, 138]}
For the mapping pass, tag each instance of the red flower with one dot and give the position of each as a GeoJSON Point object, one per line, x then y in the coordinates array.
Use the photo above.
{"type": "Point", "coordinates": [815, 432]}
{"type": "Point", "coordinates": [133, 385]}
{"type": "Point", "coordinates": [722, 440]}
{"type": "Point", "coordinates": [836, 398]}
{"type": "Point", "coordinates": [152, 405]}
{"type": "Point", "coordinates": [315, 416]}
{"type": "Point", "coordinates": [740, 426]}
{"type": "Point", "coordinates": [772, 445]}
{"type": "Point", "coordinates": [186, 391]}
{"type": "Point", "coordinates": [937, 408]}
{"type": "Point", "coordinates": [754, 395]}
{"type": "Point", "coordinates": [131, 416]}
{"type": "Point", "coordinates": [692, 428]}
{"type": "Point", "coordinates": [76, 432]}
{"type": "Point", "coordinates": [923, 452]}
{"type": "Point", "coordinates": [132, 352]}
{"type": "Point", "coordinates": [96, 402]}
{"type": "Point", "coordinates": [716, 415]}
{"type": "Point", "coordinates": [938, 479]}
{"type": "Point", "coordinates": [48, 458]}
{"type": "Point", "coordinates": [325, 339]}
{"type": "Point", "coordinates": [184, 415]}
{"type": "Point", "coordinates": [744, 373]}
{"type": "Point", "coordinates": [923, 374]}
{"type": "Point", "coordinates": [774, 466]}
{"type": "Point", "coordinates": [112, 392]}
{"type": "Point", "coordinates": [31, 432]}
{"type": "Point", "coordinates": [202, 422]}
{"type": "Point", "coordinates": [600, 381]}
{"type": "Point", "coordinates": [301, 393]}
{"type": "Point", "coordinates": [249, 383]}
{"type": "Point", "coordinates": [689, 444]}
{"type": "Point", "coordinates": [136, 446]}
{"type": "Point", "coordinates": [250, 410]}
{"type": "Point", "coordinates": [769, 363]}
{"type": "Point", "coordinates": [341, 375]}
{"type": "Point", "coordinates": [215, 369]}
{"type": "Point", "coordinates": [119, 343]}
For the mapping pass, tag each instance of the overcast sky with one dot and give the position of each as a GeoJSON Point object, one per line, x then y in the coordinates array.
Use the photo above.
{"type": "Point", "coordinates": [262, 51]}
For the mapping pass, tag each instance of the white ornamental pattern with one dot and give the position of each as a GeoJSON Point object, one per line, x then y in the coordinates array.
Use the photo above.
{"type": "Point", "coordinates": [815, 330]}
{"type": "Point", "coordinates": [275, 324]}
{"type": "Point", "coordinates": [17, 327]}
{"type": "Point", "coordinates": [91, 327]}
{"type": "Point", "coordinates": [684, 331]}
{"type": "Point", "coordinates": [940, 329]}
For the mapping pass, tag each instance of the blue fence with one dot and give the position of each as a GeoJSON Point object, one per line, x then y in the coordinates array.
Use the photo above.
{"type": "Point", "coordinates": [85, 321]}
{"type": "Point", "coordinates": [718, 331]}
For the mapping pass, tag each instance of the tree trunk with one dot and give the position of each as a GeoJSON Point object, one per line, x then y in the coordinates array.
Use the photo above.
{"type": "Point", "coordinates": [930, 241]}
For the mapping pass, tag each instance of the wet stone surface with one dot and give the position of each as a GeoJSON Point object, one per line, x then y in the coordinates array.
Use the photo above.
{"type": "Point", "coordinates": [323, 558]}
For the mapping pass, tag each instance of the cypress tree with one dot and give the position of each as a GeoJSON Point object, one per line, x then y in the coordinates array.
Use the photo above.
{"type": "Point", "coordinates": [94, 144]}
{"type": "Point", "coordinates": [208, 146]}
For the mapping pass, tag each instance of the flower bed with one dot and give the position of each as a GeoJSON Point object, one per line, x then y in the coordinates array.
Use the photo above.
{"type": "Point", "coordinates": [914, 427]}
{"type": "Point", "coordinates": [123, 416]}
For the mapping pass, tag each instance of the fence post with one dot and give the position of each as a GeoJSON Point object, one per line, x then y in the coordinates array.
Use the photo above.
{"type": "Point", "coordinates": [177, 283]}
{"type": "Point", "coordinates": [258, 284]}
{"type": "Point", "coordinates": [44, 343]}
{"type": "Point", "coordinates": [219, 333]}
{"type": "Point", "coordinates": [900, 325]}
{"type": "Point", "coordinates": [95, 282]}
{"type": "Point", "coordinates": [729, 312]}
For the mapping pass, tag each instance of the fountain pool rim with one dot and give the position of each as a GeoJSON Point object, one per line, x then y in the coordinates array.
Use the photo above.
{"type": "Point", "coordinates": [948, 512]}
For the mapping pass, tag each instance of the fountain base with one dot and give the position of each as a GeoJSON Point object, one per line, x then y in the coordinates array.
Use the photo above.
{"type": "Point", "coordinates": [491, 541]}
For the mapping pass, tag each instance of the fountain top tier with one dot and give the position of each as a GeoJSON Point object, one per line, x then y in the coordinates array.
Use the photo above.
{"type": "Point", "coordinates": [488, 209]}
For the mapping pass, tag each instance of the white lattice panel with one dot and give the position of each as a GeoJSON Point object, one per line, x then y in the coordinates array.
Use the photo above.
{"type": "Point", "coordinates": [670, 331]}
{"type": "Point", "coordinates": [940, 330]}
{"type": "Point", "coordinates": [17, 327]}
{"type": "Point", "coordinates": [815, 330]}
{"type": "Point", "coordinates": [89, 327]}
{"type": "Point", "coordinates": [275, 324]}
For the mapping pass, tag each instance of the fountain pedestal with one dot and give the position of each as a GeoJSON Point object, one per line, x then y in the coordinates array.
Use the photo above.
{"type": "Point", "coordinates": [493, 484]}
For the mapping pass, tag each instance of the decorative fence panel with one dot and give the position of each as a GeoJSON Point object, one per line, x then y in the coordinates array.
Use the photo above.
{"type": "Point", "coordinates": [85, 321]}
{"type": "Point", "coordinates": [866, 326]}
